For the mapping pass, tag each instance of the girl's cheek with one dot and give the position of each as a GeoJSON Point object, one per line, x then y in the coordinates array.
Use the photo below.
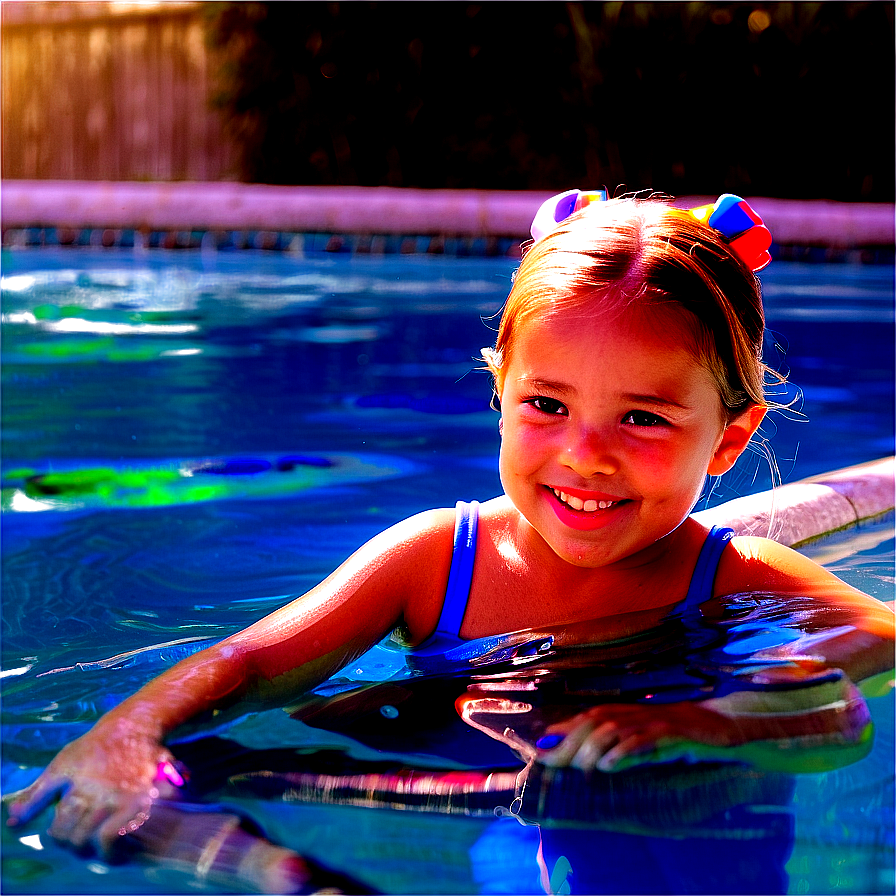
{"type": "Point", "coordinates": [672, 465]}
{"type": "Point", "coordinates": [657, 459]}
{"type": "Point", "coordinates": [536, 439]}
{"type": "Point", "coordinates": [524, 447]}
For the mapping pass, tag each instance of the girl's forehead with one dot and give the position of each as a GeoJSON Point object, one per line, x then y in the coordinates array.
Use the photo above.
{"type": "Point", "coordinates": [656, 323]}
{"type": "Point", "coordinates": [635, 339]}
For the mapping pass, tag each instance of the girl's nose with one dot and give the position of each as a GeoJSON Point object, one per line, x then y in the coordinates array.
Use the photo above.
{"type": "Point", "coordinates": [589, 453]}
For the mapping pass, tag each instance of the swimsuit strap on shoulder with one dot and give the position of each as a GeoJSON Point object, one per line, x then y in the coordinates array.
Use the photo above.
{"type": "Point", "coordinates": [460, 575]}
{"type": "Point", "coordinates": [704, 576]}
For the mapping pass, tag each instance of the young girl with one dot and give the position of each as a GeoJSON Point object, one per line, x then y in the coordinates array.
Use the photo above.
{"type": "Point", "coordinates": [627, 368]}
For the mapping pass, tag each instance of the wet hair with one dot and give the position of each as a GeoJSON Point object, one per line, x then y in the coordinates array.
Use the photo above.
{"type": "Point", "coordinates": [644, 254]}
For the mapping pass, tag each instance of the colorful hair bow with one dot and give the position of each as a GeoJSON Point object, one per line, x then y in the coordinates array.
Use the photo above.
{"type": "Point", "coordinates": [558, 208]}
{"type": "Point", "coordinates": [731, 216]}
{"type": "Point", "coordinates": [741, 228]}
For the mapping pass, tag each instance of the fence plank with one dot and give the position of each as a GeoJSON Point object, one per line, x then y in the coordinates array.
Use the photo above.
{"type": "Point", "coordinates": [91, 94]}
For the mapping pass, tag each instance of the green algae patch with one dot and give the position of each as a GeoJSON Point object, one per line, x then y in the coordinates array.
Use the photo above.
{"type": "Point", "coordinates": [166, 484]}
{"type": "Point", "coordinates": [146, 488]}
{"type": "Point", "coordinates": [69, 348]}
{"type": "Point", "coordinates": [56, 312]}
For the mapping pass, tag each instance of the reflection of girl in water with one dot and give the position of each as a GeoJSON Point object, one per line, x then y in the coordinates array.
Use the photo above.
{"type": "Point", "coordinates": [664, 822]}
{"type": "Point", "coordinates": [627, 368]}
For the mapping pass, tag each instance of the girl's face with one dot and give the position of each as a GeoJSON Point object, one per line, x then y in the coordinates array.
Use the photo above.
{"type": "Point", "coordinates": [610, 426]}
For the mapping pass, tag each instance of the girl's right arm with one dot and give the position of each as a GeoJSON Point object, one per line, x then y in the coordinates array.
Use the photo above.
{"type": "Point", "coordinates": [108, 779]}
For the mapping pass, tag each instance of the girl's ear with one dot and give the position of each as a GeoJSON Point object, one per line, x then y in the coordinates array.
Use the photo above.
{"type": "Point", "coordinates": [735, 439]}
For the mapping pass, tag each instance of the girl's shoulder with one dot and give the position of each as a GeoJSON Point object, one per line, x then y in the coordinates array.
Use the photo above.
{"type": "Point", "coordinates": [412, 558]}
{"type": "Point", "coordinates": [421, 529]}
{"type": "Point", "coordinates": [867, 625]}
{"type": "Point", "coordinates": [500, 511]}
{"type": "Point", "coordinates": [759, 564]}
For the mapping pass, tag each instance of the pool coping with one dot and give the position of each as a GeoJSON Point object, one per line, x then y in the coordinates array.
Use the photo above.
{"type": "Point", "coordinates": [379, 220]}
{"type": "Point", "coordinates": [801, 512]}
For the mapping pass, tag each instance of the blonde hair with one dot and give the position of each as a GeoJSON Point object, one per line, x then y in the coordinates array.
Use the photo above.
{"type": "Point", "coordinates": [644, 253]}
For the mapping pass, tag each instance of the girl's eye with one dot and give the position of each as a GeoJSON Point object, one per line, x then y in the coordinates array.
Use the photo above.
{"type": "Point", "coordinates": [642, 418]}
{"type": "Point", "coordinates": [549, 406]}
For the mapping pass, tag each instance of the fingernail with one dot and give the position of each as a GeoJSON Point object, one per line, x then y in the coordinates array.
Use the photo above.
{"type": "Point", "coordinates": [167, 771]}
{"type": "Point", "coordinates": [549, 741]}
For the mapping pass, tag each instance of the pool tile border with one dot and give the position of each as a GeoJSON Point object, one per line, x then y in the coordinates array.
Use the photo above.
{"type": "Point", "coordinates": [302, 244]}
{"type": "Point", "coordinates": [261, 240]}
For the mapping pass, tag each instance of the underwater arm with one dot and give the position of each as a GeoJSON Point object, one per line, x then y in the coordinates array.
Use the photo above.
{"type": "Point", "coordinates": [785, 724]}
{"type": "Point", "coordinates": [108, 779]}
{"type": "Point", "coordinates": [799, 710]}
{"type": "Point", "coordinates": [822, 729]}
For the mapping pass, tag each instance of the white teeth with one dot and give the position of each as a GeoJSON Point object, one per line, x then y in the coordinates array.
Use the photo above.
{"type": "Point", "coordinates": [578, 504]}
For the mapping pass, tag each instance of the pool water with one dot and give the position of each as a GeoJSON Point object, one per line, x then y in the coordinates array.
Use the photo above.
{"type": "Point", "coordinates": [190, 439]}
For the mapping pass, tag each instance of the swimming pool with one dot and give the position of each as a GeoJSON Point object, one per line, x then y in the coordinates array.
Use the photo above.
{"type": "Point", "coordinates": [314, 401]}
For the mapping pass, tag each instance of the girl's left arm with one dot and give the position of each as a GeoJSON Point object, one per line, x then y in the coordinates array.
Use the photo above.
{"type": "Point", "coordinates": [790, 717]}
{"type": "Point", "coordinates": [850, 630]}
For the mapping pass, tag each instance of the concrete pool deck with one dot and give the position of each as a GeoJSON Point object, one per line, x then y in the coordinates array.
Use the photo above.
{"type": "Point", "coordinates": [221, 206]}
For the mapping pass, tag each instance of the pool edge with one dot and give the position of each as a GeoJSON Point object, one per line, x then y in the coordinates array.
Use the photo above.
{"type": "Point", "coordinates": [803, 511]}
{"type": "Point", "coordinates": [191, 210]}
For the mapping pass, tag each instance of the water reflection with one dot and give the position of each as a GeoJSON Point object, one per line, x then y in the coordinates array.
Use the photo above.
{"type": "Point", "coordinates": [456, 733]}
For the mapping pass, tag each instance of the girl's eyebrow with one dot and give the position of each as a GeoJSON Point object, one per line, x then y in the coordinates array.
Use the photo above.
{"type": "Point", "coordinates": [549, 385]}
{"type": "Point", "coordinates": [656, 400]}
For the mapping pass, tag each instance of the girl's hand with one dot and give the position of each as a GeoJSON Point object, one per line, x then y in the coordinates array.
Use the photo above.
{"type": "Point", "coordinates": [106, 782]}
{"type": "Point", "coordinates": [802, 708]}
{"type": "Point", "coordinates": [613, 734]}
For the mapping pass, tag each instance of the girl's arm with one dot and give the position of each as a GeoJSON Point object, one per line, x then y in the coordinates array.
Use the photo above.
{"type": "Point", "coordinates": [848, 629]}
{"type": "Point", "coordinates": [849, 638]}
{"type": "Point", "coordinates": [810, 722]}
{"type": "Point", "coordinates": [109, 778]}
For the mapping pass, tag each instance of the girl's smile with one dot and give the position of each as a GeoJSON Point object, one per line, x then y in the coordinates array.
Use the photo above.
{"type": "Point", "coordinates": [610, 426]}
{"type": "Point", "coordinates": [584, 510]}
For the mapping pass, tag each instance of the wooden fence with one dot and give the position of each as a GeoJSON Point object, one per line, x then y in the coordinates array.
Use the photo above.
{"type": "Point", "coordinates": [109, 91]}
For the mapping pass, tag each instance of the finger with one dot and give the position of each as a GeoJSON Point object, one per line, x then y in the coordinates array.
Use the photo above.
{"type": "Point", "coordinates": [83, 832]}
{"type": "Point", "coordinates": [85, 809]}
{"type": "Point", "coordinates": [31, 801]}
{"type": "Point", "coordinates": [127, 820]}
{"type": "Point", "coordinates": [564, 752]}
{"type": "Point", "coordinates": [587, 756]}
{"type": "Point", "coordinates": [631, 750]}
{"type": "Point", "coordinates": [604, 738]}
{"type": "Point", "coordinates": [67, 818]}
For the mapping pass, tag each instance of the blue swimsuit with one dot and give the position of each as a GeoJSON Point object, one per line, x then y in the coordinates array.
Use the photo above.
{"type": "Point", "coordinates": [461, 573]}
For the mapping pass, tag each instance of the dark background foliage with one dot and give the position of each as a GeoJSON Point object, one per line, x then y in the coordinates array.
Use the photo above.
{"type": "Point", "coordinates": [792, 100]}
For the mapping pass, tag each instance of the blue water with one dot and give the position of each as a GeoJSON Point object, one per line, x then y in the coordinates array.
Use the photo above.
{"type": "Point", "coordinates": [323, 399]}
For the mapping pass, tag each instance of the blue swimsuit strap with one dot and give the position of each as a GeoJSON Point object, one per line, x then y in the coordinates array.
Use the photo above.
{"type": "Point", "coordinates": [460, 575]}
{"type": "Point", "coordinates": [700, 589]}
{"type": "Point", "coordinates": [466, 524]}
